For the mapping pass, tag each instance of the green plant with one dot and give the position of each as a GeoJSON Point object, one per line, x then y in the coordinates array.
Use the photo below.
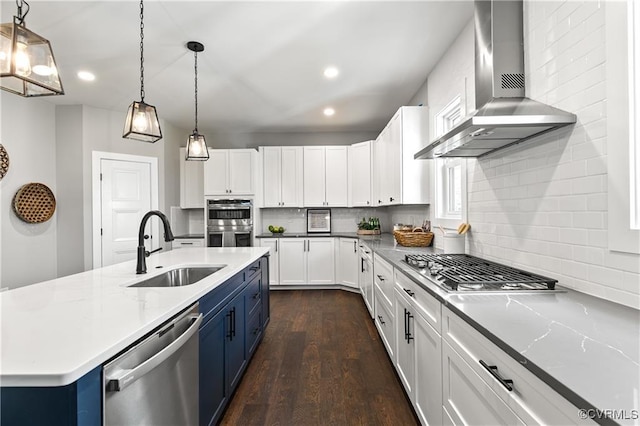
{"type": "Point", "coordinates": [369, 225]}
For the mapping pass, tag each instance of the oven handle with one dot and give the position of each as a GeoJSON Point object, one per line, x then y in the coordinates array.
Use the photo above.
{"type": "Point", "coordinates": [127, 377]}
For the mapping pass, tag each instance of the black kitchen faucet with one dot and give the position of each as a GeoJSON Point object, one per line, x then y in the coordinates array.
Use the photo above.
{"type": "Point", "coordinates": [141, 267]}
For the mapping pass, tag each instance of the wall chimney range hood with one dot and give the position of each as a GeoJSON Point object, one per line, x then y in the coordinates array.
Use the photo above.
{"type": "Point", "coordinates": [503, 115]}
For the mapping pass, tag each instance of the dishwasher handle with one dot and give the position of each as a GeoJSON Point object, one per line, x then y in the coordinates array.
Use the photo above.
{"type": "Point", "coordinates": [124, 378]}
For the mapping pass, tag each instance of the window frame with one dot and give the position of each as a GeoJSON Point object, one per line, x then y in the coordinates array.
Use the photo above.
{"type": "Point", "coordinates": [445, 119]}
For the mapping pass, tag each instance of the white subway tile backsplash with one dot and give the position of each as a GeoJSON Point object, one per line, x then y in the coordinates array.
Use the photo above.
{"type": "Point", "coordinates": [574, 236]}
{"type": "Point", "coordinates": [590, 220]}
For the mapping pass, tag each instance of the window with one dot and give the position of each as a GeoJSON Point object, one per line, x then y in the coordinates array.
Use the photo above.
{"type": "Point", "coordinates": [450, 172]}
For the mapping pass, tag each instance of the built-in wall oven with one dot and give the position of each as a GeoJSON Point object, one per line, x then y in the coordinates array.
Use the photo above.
{"type": "Point", "coordinates": [229, 223]}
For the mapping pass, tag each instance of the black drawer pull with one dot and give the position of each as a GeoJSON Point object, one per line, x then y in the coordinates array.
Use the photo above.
{"type": "Point", "coordinates": [256, 331]}
{"type": "Point", "coordinates": [493, 370]}
{"type": "Point", "coordinates": [254, 268]}
{"type": "Point", "coordinates": [381, 320]}
{"type": "Point", "coordinates": [409, 292]}
{"type": "Point", "coordinates": [380, 277]}
{"type": "Point", "coordinates": [255, 296]}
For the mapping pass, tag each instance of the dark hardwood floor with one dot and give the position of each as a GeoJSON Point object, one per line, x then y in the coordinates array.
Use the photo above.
{"type": "Point", "coordinates": [321, 362]}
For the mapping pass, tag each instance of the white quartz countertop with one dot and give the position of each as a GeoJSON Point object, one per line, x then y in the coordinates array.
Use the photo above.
{"type": "Point", "coordinates": [585, 348]}
{"type": "Point", "coordinates": [54, 332]}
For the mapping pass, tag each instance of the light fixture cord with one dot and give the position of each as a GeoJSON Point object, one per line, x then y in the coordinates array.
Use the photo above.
{"type": "Point", "coordinates": [195, 54]}
{"type": "Point", "coordinates": [21, 16]}
{"type": "Point", "coordinates": [141, 51]}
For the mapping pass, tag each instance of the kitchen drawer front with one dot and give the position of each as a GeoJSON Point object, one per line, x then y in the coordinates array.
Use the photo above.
{"type": "Point", "coordinates": [365, 251]}
{"type": "Point", "coordinates": [531, 399]}
{"type": "Point", "coordinates": [253, 294]}
{"type": "Point", "coordinates": [186, 243]}
{"type": "Point", "coordinates": [428, 306]}
{"type": "Point", "coordinates": [253, 332]}
{"type": "Point", "coordinates": [383, 276]}
{"type": "Point", "coordinates": [385, 323]}
{"type": "Point", "coordinates": [217, 298]}
{"type": "Point", "coordinates": [466, 398]}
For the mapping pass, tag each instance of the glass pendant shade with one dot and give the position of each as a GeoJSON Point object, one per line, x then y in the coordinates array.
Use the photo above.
{"type": "Point", "coordinates": [27, 65]}
{"type": "Point", "coordinates": [142, 123]}
{"type": "Point", "coordinates": [197, 147]}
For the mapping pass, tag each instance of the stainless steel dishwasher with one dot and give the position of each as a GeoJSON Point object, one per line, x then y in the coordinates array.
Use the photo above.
{"type": "Point", "coordinates": [156, 381]}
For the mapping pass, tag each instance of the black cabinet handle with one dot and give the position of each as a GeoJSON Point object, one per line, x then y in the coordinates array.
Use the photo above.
{"type": "Point", "coordinates": [256, 331]}
{"type": "Point", "coordinates": [230, 333]}
{"type": "Point", "coordinates": [380, 277]}
{"type": "Point", "coordinates": [409, 292]}
{"type": "Point", "coordinates": [362, 264]}
{"type": "Point", "coordinates": [391, 199]}
{"type": "Point", "coordinates": [254, 268]}
{"type": "Point", "coordinates": [366, 252]}
{"type": "Point", "coordinates": [354, 247]}
{"type": "Point", "coordinates": [276, 246]}
{"type": "Point", "coordinates": [381, 320]}
{"type": "Point", "coordinates": [407, 325]}
{"type": "Point", "coordinates": [493, 370]}
{"type": "Point", "coordinates": [255, 296]}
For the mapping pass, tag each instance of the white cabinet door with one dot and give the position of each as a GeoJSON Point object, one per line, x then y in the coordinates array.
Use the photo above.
{"type": "Point", "coordinates": [216, 172]}
{"type": "Point", "coordinates": [379, 169]}
{"type": "Point", "coordinates": [272, 176]}
{"type": "Point", "coordinates": [394, 157]}
{"type": "Point", "coordinates": [428, 373]}
{"type": "Point", "coordinates": [274, 255]}
{"type": "Point", "coordinates": [292, 176]}
{"type": "Point", "coordinates": [336, 190]}
{"type": "Point", "coordinates": [191, 183]}
{"type": "Point", "coordinates": [405, 348]}
{"type": "Point", "coordinates": [359, 173]}
{"type": "Point", "coordinates": [321, 261]}
{"type": "Point", "coordinates": [314, 176]}
{"type": "Point", "coordinates": [366, 280]}
{"type": "Point", "coordinates": [384, 322]}
{"type": "Point", "coordinates": [466, 398]}
{"type": "Point", "coordinates": [293, 261]}
{"type": "Point", "coordinates": [241, 170]}
{"type": "Point", "coordinates": [347, 261]}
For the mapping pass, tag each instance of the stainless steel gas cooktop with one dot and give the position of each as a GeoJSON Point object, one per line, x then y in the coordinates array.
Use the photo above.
{"type": "Point", "coordinates": [465, 273]}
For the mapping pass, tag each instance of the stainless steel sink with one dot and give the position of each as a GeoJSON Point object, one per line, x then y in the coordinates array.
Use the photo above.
{"type": "Point", "coordinates": [179, 277]}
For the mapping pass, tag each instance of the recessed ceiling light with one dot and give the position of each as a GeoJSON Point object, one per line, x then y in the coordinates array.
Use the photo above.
{"type": "Point", "coordinates": [86, 76]}
{"type": "Point", "coordinates": [331, 72]}
{"type": "Point", "coordinates": [329, 111]}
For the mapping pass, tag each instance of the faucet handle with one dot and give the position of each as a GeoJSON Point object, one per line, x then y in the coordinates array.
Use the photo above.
{"type": "Point", "coordinates": [148, 253]}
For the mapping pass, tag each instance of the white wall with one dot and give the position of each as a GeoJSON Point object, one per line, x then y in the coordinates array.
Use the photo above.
{"type": "Point", "coordinates": [542, 205]}
{"type": "Point", "coordinates": [29, 252]}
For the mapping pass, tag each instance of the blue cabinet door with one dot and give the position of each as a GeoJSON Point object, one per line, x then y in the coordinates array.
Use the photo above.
{"type": "Point", "coordinates": [235, 340]}
{"type": "Point", "coordinates": [213, 389]}
{"type": "Point", "coordinates": [264, 269]}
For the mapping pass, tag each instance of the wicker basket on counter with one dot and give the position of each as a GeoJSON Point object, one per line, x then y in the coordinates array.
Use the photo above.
{"type": "Point", "coordinates": [415, 238]}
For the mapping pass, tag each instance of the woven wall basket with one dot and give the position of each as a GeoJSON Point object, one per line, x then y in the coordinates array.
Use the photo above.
{"type": "Point", "coordinates": [34, 203]}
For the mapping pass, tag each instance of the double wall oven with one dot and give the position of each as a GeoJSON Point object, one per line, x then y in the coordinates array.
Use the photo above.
{"type": "Point", "coordinates": [229, 223]}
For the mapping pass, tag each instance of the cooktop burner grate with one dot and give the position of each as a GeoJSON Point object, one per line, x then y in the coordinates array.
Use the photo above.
{"type": "Point", "coordinates": [466, 272]}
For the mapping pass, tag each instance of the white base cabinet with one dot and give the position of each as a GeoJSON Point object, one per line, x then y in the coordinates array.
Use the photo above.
{"type": "Point", "coordinates": [347, 262]}
{"type": "Point", "coordinates": [307, 261]}
{"type": "Point", "coordinates": [274, 256]}
{"type": "Point", "coordinates": [365, 277]}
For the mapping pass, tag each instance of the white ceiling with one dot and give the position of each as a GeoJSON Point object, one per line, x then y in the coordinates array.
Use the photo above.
{"type": "Point", "coordinates": [261, 70]}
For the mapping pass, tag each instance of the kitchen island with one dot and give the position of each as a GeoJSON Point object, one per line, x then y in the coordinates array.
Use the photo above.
{"type": "Point", "coordinates": [57, 334]}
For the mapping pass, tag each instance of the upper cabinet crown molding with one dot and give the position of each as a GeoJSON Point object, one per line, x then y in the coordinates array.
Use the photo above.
{"type": "Point", "coordinates": [230, 172]}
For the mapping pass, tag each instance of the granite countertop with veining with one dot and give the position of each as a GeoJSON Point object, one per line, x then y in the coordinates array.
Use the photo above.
{"type": "Point", "coordinates": [584, 347]}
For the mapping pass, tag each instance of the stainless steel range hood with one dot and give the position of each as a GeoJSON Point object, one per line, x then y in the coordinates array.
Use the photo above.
{"type": "Point", "coordinates": [503, 116]}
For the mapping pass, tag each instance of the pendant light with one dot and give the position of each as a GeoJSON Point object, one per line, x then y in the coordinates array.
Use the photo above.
{"type": "Point", "coordinates": [142, 121]}
{"type": "Point", "coordinates": [196, 144]}
{"type": "Point", "coordinates": [27, 65]}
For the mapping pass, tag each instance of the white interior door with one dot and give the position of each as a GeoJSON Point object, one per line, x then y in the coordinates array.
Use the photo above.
{"type": "Point", "coordinates": [125, 197]}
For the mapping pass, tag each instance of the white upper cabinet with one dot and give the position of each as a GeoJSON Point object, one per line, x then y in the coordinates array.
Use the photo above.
{"type": "Point", "coordinates": [325, 176]}
{"type": "Point", "coordinates": [191, 183]}
{"type": "Point", "coordinates": [359, 175]}
{"type": "Point", "coordinates": [282, 176]}
{"type": "Point", "coordinates": [229, 172]}
{"type": "Point", "coordinates": [398, 178]}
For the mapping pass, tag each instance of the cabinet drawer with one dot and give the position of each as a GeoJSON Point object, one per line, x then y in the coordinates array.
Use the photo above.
{"type": "Point", "coordinates": [427, 305]}
{"type": "Point", "coordinates": [385, 324]}
{"type": "Point", "coordinates": [186, 243]}
{"type": "Point", "coordinates": [365, 251]}
{"type": "Point", "coordinates": [531, 399]}
{"type": "Point", "coordinates": [383, 275]}
{"type": "Point", "coordinates": [254, 294]}
{"type": "Point", "coordinates": [212, 302]}
{"type": "Point", "coordinates": [254, 331]}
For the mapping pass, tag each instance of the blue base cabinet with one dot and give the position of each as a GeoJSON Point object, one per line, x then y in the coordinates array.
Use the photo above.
{"type": "Point", "coordinates": [76, 404]}
{"type": "Point", "coordinates": [232, 329]}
